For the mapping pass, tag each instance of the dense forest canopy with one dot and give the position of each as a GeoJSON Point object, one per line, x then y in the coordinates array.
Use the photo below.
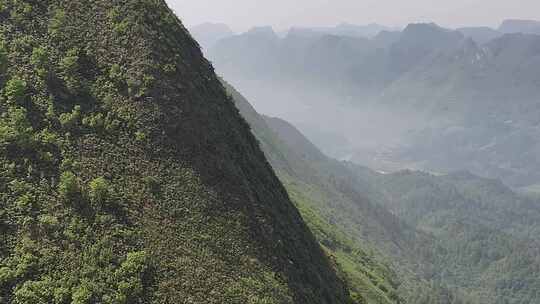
{"type": "Point", "coordinates": [127, 174]}
{"type": "Point", "coordinates": [131, 173]}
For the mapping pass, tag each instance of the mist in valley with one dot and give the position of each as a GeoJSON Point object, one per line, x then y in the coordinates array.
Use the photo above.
{"type": "Point", "coordinates": [437, 125]}
{"type": "Point", "coordinates": [425, 97]}
{"type": "Point", "coordinates": [417, 138]}
{"type": "Point", "coordinates": [342, 128]}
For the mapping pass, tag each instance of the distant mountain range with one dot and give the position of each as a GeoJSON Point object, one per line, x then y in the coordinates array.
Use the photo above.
{"type": "Point", "coordinates": [511, 26]}
{"type": "Point", "coordinates": [346, 29]}
{"type": "Point", "coordinates": [480, 35]}
{"type": "Point", "coordinates": [520, 26]}
{"type": "Point", "coordinates": [207, 34]}
{"type": "Point", "coordinates": [470, 94]}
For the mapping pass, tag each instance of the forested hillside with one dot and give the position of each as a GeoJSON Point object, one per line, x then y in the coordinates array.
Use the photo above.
{"type": "Point", "coordinates": [478, 235]}
{"type": "Point", "coordinates": [338, 206]}
{"type": "Point", "coordinates": [486, 233]}
{"type": "Point", "coordinates": [322, 203]}
{"type": "Point", "coordinates": [127, 174]}
{"type": "Point", "coordinates": [450, 239]}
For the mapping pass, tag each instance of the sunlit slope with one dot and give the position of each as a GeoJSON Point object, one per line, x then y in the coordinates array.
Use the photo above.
{"type": "Point", "coordinates": [127, 174]}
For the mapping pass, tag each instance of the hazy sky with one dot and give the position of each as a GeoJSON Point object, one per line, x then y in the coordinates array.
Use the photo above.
{"type": "Point", "coordinates": [242, 14]}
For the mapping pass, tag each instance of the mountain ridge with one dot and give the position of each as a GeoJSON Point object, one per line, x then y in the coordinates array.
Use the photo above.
{"type": "Point", "coordinates": [520, 26]}
{"type": "Point", "coordinates": [128, 174]}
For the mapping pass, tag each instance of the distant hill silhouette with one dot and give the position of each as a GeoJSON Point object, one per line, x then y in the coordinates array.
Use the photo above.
{"type": "Point", "coordinates": [480, 35]}
{"type": "Point", "coordinates": [473, 79]}
{"type": "Point", "coordinates": [520, 26]}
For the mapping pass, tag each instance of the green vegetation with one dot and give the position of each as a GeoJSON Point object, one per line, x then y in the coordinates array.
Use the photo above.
{"type": "Point", "coordinates": [124, 183]}
{"type": "Point", "coordinates": [450, 239]}
{"type": "Point", "coordinates": [72, 119]}
{"type": "Point", "coordinates": [483, 233]}
{"type": "Point", "coordinates": [15, 129]}
{"type": "Point", "coordinates": [99, 190]}
{"type": "Point", "coordinates": [369, 278]}
{"type": "Point", "coordinates": [68, 187]}
{"type": "Point", "coordinates": [15, 90]}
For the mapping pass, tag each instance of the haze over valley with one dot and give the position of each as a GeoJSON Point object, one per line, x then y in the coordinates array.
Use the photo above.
{"type": "Point", "coordinates": [425, 97]}
{"type": "Point", "coordinates": [447, 120]}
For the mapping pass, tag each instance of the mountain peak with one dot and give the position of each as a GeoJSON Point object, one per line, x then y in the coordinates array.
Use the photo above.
{"type": "Point", "coordinates": [426, 28]}
{"type": "Point", "coordinates": [142, 181]}
{"type": "Point", "coordinates": [431, 34]}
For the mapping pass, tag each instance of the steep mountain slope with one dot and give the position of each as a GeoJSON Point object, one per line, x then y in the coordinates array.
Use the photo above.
{"type": "Point", "coordinates": [418, 43]}
{"type": "Point", "coordinates": [339, 203]}
{"type": "Point", "coordinates": [127, 174]}
{"type": "Point", "coordinates": [352, 206]}
{"type": "Point", "coordinates": [322, 203]}
{"type": "Point", "coordinates": [455, 238]}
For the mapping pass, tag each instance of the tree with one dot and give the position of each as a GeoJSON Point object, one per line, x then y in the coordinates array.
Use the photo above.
{"type": "Point", "coordinates": [40, 59]}
{"type": "Point", "coordinates": [16, 129]}
{"type": "Point", "coordinates": [15, 90]}
{"type": "Point", "coordinates": [99, 191]}
{"type": "Point", "coordinates": [71, 120]}
{"type": "Point", "coordinates": [68, 186]}
{"type": "Point", "coordinates": [130, 277]}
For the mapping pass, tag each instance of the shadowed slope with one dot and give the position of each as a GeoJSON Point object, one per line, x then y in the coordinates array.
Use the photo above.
{"type": "Point", "coordinates": [127, 175]}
